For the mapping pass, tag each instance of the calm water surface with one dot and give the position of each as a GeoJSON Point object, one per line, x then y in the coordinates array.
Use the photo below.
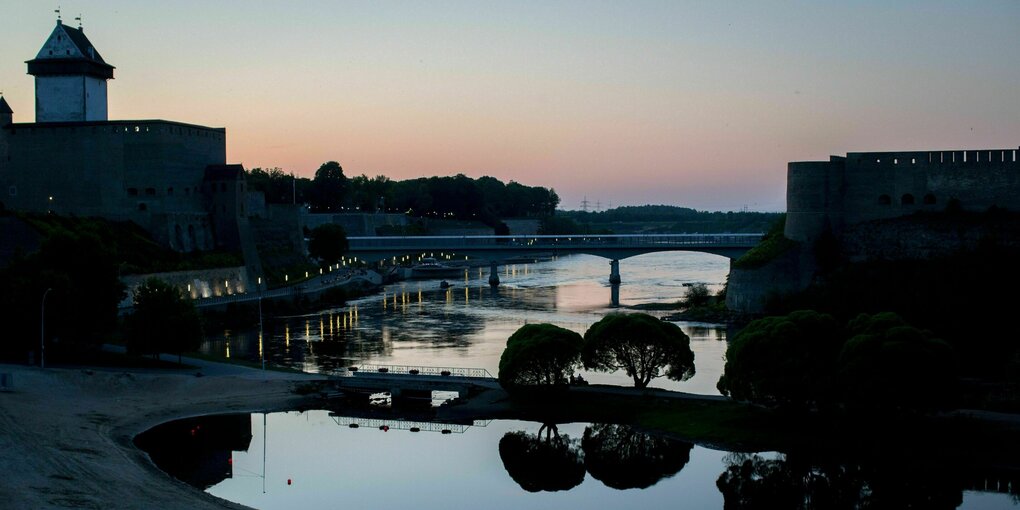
{"type": "Point", "coordinates": [315, 459]}
{"type": "Point", "coordinates": [417, 323]}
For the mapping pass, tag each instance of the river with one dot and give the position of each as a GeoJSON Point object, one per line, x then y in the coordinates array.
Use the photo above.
{"type": "Point", "coordinates": [417, 323]}
{"type": "Point", "coordinates": [322, 459]}
{"type": "Point", "coordinates": [326, 459]}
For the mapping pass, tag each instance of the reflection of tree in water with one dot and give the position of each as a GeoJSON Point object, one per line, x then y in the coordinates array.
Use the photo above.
{"type": "Point", "coordinates": [753, 481]}
{"type": "Point", "coordinates": [623, 458]}
{"type": "Point", "coordinates": [548, 462]}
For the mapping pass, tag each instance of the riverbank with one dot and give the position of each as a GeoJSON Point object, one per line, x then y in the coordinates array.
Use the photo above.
{"type": "Point", "coordinates": [67, 433]}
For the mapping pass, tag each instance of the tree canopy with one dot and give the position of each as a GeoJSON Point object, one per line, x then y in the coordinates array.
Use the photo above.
{"type": "Point", "coordinates": [458, 197]}
{"type": "Point", "coordinates": [753, 481]}
{"type": "Point", "coordinates": [163, 320]}
{"type": "Point", "coordinates": [623, 458]}
{"type": "Point", "coordinates": [328, 243]}
{"type": "Point", "coordinates": [888, 363]}
{"type": "Point", "coordinates": [81, 308]}
{"type": "Point", "coordinates": [802, 360]}
{"type": "Point", "coordinates": [539, 354]}
{"type": "Point", "coordinates": [329, 188]}
{"type": "Point", "coordinates": [551, 463]}
{"type": "Point", "coordinates": [643, 346]}
{"type": "Point", "coordinates": [783, 361]}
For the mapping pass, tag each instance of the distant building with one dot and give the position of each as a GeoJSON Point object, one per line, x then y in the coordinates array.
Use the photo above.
{"type": "Point", "coordinates": [865, 186]}
{"type": "Point", "coordinates": [169, 177]}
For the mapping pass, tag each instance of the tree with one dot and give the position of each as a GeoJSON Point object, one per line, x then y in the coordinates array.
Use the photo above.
{"type": "Point", "coordinates": [889, 363]}
{"type": "Point", "coordinates": [753, 481]}
{"type": "Point", "coordinates": [162, 320]}
{"type": "Point", "coordinates": [697, 295]}
{"type": "Point", "coordinates": [329, 188]}
{"type": "Point", "coordinates": [81, 309]}
{"type": "Point", "coordinates": [643, 346]}
{"type": "Point", "coordinates": [551, 463]}
{"type": "Point", "coordinates": [623, 458]}
{"type": "Point", "coordinates": [328, 243]}
{"type": "Point", "coordinates": [539, 354]}
{"type": "Point", "coordinates": [783, 361]}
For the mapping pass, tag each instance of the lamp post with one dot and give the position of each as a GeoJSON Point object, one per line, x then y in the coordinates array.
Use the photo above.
{"type": "Point", "coordinates": [42, 330]}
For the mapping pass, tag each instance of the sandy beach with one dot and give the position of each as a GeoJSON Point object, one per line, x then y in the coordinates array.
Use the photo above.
{"type": "Point", "coordinates": [66, 433]}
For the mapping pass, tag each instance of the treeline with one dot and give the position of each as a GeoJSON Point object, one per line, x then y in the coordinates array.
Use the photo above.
{"type": "Point", "coordinates": [456, 197]}
{"type": "Point", "coordinates": [675, 219]}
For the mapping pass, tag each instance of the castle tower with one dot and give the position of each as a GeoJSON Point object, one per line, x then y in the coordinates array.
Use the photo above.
{"type": "Point", "coordinates": [70, 78]}
{"type": "Point", "coordinates": [6, 114]}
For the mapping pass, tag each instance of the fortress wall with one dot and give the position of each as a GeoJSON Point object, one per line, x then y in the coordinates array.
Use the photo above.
{"type": "Point", "coordinates": [124, 170]}
{"type": "Point", "coordinates": [812, 197]}
{"type": "Point", "coordinates": [868, 186]}
{"type": "Point", "coordinates": [919, 181]}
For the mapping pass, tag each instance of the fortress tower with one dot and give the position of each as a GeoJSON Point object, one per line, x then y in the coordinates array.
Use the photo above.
{"type": "Point", "coordinates": [70, 78]}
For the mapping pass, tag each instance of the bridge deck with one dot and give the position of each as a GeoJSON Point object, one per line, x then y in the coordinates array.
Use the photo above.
{"type": "Point", "coordinates": [612, 246]}
{"type": "Point", "coordinates": [414, 378]}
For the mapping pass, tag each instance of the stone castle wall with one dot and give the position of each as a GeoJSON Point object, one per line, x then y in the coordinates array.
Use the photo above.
{"type": "Point", "coordinates": [149, 172]}
{"type": "Point", "coordinates": [867, 186]}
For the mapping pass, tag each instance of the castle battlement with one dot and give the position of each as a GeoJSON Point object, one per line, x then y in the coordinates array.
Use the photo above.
{"type": "Point", "coordinates": [866, 186]}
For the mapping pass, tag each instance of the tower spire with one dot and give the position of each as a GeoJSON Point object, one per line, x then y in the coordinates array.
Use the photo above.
{"type": "Point", "coordinates": [57, 10]}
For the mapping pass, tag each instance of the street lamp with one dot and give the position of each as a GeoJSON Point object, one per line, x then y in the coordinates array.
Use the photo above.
{"type": "Point", "coordinates": [42, 330]}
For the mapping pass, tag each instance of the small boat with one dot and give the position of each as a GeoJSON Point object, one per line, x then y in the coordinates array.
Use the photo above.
{"type": "Point", "coordinates": [444, 284]}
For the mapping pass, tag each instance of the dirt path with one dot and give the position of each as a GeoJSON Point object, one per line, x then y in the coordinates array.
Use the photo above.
{"type": "Point", "coordinates": [66, 434]}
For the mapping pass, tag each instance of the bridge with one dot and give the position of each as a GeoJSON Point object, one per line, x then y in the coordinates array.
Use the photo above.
{"type": "Point", "coordinates": [389, 423]}
{"type": "Point", "coordinates": [411, 382]}
{"type": "Point", "coordinates": [498, 248]}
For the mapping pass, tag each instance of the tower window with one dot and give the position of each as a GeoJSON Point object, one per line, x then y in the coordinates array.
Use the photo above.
{"type": "Point", "coordinates": [133, 192]}
{"type": "Point", "coordinates": [907, 199]}
{"type": "Point", "coordinates": [142, 206]}
{"type": "Point", "coordinates": [170, 192]}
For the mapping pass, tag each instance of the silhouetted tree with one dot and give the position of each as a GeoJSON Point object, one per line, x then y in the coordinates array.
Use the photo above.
{"type": "Point", "coordinates": [783, 361]}
{"type": "Point", "coordinates": [641, 345]}
{"type": "Point", "coordinates": [329, 188]}
{"type": "Point", "coordinates": [697, 295]}
{"type": "Point", "coordinates": [550, 463]}
{"type": "Point", "coordinates": [757, 482]}
{"type": "Point", "coordinates": [328, 243]}
{"type": "Point", "coordinates": [163, 320]}
{"type": "Point", "coordinates": [623, 458]}
{"type": "Point", "coordinates": [539, 354]}
{"type": "Point", "coordinates": [888, 363]}
{"type": "Point", "coordinates": [81, 309]}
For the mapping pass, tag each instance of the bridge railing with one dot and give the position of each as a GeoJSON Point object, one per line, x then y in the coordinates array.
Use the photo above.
{"type": "Point", "coordinates": [414, 370]}
{"type": "Point", "coordinates": [399, 424]}
{"type": "Point", "coordinates": [553, 241]}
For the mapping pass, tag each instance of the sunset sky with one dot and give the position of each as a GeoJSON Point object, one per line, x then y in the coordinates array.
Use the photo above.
{"type": "Point", "coordinates": [699, 104]}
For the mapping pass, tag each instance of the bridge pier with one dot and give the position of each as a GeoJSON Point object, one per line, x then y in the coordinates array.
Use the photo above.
{"type": "Point", "coordinates": [614, 272]}
{"type": "Point", "coordinates": [614, 295]}
{"type": "Point", "coordinates": [493, 274]}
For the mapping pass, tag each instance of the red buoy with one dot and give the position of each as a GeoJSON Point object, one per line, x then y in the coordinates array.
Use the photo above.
{"type": "Point", "coordinates": [288, 481]}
